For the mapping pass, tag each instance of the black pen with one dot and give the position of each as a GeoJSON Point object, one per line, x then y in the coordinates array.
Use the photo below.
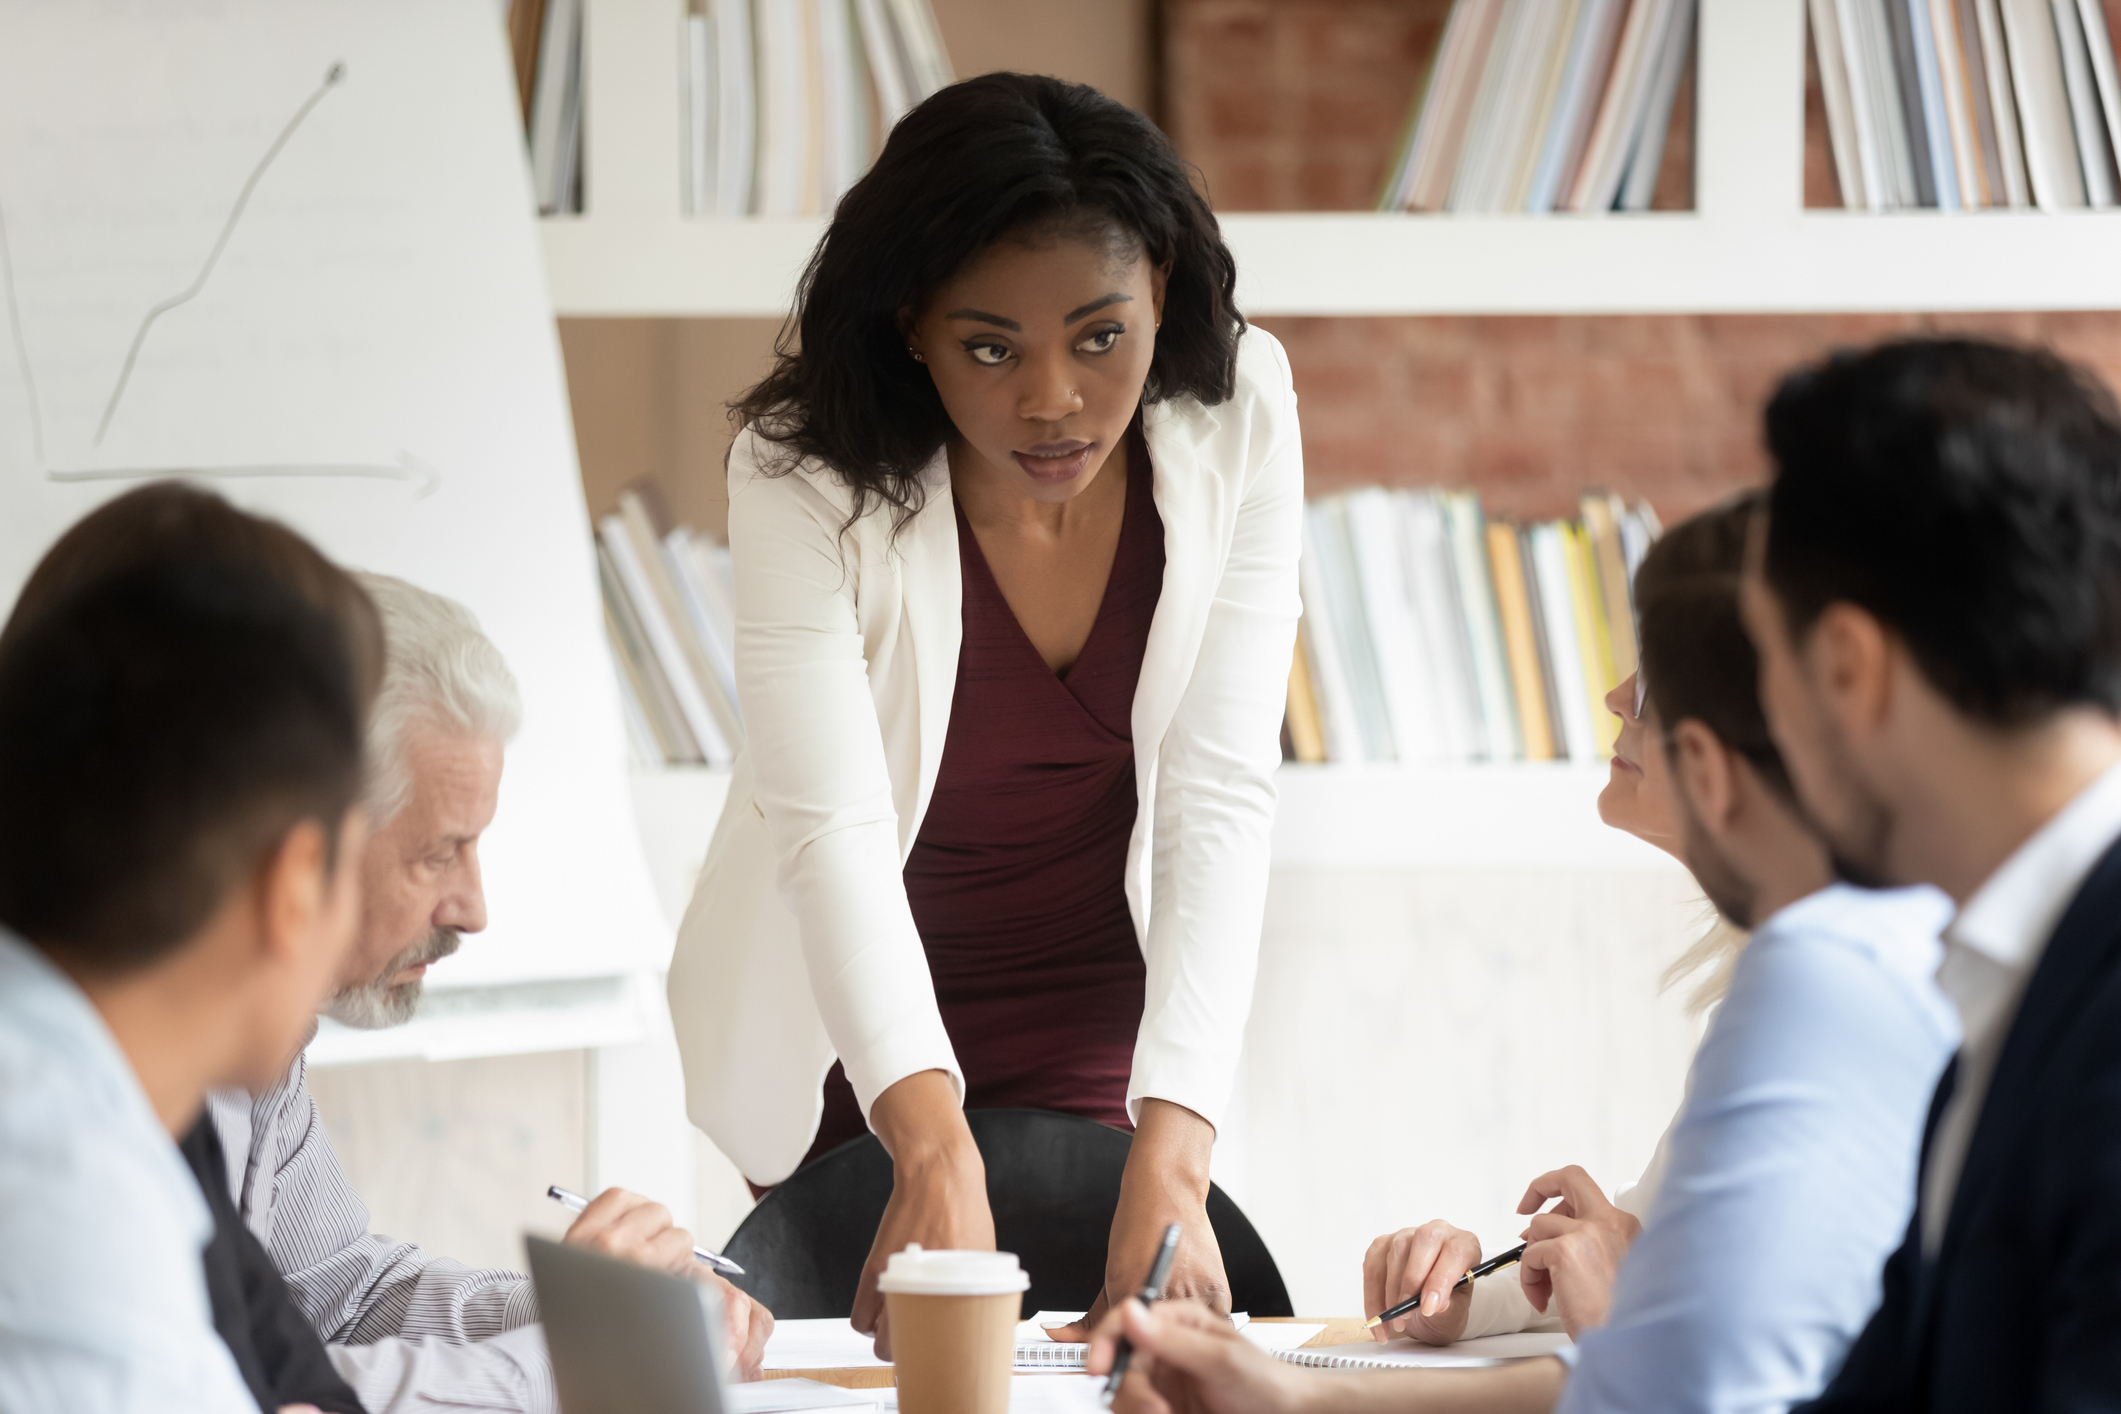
{"type": "Point", "coordinates": [1152, 1291]}
{"type": "Point", "coordinates": [1493, 1264]}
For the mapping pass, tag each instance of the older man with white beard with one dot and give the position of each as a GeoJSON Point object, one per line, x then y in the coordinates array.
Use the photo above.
{"type": "Point", "coordinates": [412, 1331]}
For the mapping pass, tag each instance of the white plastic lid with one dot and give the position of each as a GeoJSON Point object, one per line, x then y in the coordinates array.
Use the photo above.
{"type": "Point", "coordinates": [916, 1272]}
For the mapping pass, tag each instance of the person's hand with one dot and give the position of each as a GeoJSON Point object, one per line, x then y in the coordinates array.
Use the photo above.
{"type": "Point", "coordinates": [1573, 1251]}
{"type": "Point", "coordinates": [1165, 1182]}
{"type": "Point", "coordinates": [1430, 1260]}
{"type": "Point", "coordinates": [629, 1227]}
{"type": "Point", "coordinates": [745, 1325]}
{"type": "Point", "coordinates": [938, 1187]}
{"type": "Point", "coordinates": [1189, 1359]}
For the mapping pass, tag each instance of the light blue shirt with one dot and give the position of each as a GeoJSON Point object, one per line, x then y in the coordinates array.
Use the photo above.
{"type": "Point", "coordinates": [103, 1305]}
{"type": "Point", "coordinates": [1792, 1166]}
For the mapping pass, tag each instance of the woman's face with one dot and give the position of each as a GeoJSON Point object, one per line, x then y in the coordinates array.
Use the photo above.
{"type": "Point", "coordinates": [1638, 796]}
{"type": "Point", "coordinates": [1039, 347]}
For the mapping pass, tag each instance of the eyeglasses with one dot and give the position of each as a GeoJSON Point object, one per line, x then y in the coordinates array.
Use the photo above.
{"type": "Point", "coordinates": [1642, 692]}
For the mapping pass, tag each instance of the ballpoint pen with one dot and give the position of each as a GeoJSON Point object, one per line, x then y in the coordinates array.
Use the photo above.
{"type": "Point", "coordinates": [575, 1202]}
{"type": "Point", "coordinates": [1493, 1264]}
{"type": "Point", "coordinates": [1152, 1291]}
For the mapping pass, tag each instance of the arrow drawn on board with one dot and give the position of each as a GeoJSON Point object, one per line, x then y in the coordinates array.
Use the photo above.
{"type": "Point", "coordinates": [332, 76]}
{"type": "Point", "coordinates": [408, 468]}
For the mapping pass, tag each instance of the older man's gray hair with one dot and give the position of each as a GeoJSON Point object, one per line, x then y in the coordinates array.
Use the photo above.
{"type": "Point", "coordinates": [439, 669]}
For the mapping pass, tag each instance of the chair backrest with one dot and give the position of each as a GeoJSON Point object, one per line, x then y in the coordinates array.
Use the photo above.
{"type": "Point", "coordinates": [1053, 1183]}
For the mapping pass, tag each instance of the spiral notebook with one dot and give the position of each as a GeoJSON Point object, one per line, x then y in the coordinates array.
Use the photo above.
{"type": "Point", "coordinates": [1035, 1350]}
{"type": "Point", "coordinates": [1401, 1354]}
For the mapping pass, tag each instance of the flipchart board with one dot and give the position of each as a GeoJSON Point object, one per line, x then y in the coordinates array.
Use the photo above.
{"type": "Point", "coordinates": [286, 247]}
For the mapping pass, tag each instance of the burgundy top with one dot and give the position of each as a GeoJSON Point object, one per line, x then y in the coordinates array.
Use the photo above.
{"type": "Point", "coordinates": [1018, 879]}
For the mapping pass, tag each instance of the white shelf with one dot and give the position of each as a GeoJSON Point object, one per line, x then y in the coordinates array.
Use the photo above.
{"type": "Point", "coordinates": [1363, 263]}
{"type": "Point", "coordinates": [1749, 247]}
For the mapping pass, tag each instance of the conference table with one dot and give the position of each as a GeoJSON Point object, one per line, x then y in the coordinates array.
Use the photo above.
{"type": "Point", "coordinates": [1339, 1330]}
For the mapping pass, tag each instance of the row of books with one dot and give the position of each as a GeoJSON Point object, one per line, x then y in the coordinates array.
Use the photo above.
{"type": "Point", "coordinates": [1544, 105]}
{"type": "Point", "coordinates": [546, 37]}
{"type": "Point", "coordinates": [787, 101]}
{"type": "Point", "coordinates": [1966, 104]}
{"type": "Point", "coordinates": [1432, 634]}
{"type": "Point", "coordinates": [669, 609]}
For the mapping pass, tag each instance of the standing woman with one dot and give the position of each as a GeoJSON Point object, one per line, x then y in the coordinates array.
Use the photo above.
{"type": "Point", "coordinates": [1015, 521]}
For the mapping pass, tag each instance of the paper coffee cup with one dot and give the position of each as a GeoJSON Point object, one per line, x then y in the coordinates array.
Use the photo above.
{"type": "Point", "coordinates": [953, 1328]}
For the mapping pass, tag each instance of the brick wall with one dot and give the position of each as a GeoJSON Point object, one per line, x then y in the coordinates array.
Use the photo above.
{"type": "Point", "coordinates": [1299, 105]}
{"type": "Point", "coordinates": [1531, 410]}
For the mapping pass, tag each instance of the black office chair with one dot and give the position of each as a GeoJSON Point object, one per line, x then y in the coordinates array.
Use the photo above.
{"type": "Point", "coordinates": [1053, 1182]}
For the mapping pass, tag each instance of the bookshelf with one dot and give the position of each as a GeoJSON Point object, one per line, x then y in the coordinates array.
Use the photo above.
{"type": "Point", "coordinates": [1750, 246]}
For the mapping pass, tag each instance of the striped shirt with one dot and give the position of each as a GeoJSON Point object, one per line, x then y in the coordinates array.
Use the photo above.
{"type": "Point", "coordinates": [411, 1332]}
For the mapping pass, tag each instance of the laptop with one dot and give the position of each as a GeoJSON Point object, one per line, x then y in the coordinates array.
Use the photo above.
{"type": "Point", "coordinates": [625, 1339]}
{"type": "Point", "coordinates": [628, 1340]}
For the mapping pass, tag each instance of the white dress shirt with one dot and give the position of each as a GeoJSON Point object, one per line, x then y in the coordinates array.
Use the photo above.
{"type": "Point", "coordinates": [410, 1331]}
{"type": "Point", "coordinates": [1990, 951]}
{"type": "Point", "coordinates": [1792, 1166]}
{"type": "Point", "coordinates": [103, 1304]}
{"type": "Point", "coordinates": [800, 945]}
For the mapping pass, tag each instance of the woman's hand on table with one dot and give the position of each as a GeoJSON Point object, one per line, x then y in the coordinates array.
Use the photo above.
{"type": "Point", "coordinates": [938, 1187]}
{"type": "Point", "coordinates": [1573, 1251]}
{"type": "Point", "coordinates": [1429, 1260]}
{"type": "Point", "coordinates": [1166, 1181]}
{"type": "Point", "coordinates": [1189, 1359]}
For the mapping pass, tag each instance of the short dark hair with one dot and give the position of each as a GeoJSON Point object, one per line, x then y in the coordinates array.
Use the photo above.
{"type": "Point", "coordinates": [1697, 662]}
{"type": "Point", "coordinates": [161, 727]}
{"type": "Point", "coordinates": [170, 517]}
{"type": "Point", "coordinates": [980, 160]}
{"type": "Point", "coordinates": [1968, 495]}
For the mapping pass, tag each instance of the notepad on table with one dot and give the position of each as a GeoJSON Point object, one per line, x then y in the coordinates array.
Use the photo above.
{"type": "Point", "coordinates": [1402, 1354]}
{"type": "Point", "coordinates": [1037, 1350]}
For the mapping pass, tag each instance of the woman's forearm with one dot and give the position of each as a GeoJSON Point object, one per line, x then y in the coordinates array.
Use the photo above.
{"type": "Point", "coordinates": [1173, 1148]}
{"type": "Point", "coordinates": [921, 1123]}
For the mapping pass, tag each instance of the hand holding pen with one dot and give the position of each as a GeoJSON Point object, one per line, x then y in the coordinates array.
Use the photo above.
{"type": "Point", "coordinates": [633, 1228]}
{"type": "Point", "coordinates": [1152, 1291]}
{"type": "Point", "coordinates": [1409, 1279]}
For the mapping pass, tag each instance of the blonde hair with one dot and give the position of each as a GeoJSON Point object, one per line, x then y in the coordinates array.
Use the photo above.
{"type": "Point", "coordinates": [1713, 957]}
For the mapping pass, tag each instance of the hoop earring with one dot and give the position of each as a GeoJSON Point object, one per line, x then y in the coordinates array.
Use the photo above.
{"type": "Point", "coordinates": [918, 356]}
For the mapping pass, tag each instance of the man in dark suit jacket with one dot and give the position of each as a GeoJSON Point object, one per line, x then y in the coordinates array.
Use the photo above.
{"type": "Point", "coordinates": [1936, 596]}
{"type": "Point", "coordinates": [279, 1356]}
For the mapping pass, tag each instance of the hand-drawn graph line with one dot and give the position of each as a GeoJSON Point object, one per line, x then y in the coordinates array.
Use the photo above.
{"type": "Point", "coordinates": [332, 76]}
{"type": "Point", "coordinates": [14, 326]}
{"type": "Point", "coordinates": [407, 468]}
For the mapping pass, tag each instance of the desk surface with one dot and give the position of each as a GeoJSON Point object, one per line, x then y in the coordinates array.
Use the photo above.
{"type": "Point", "coordinates": [1339, 1330]}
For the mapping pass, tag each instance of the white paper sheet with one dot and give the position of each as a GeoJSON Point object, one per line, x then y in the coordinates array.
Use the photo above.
{"type": "Point", "coordinates": [820, 1344]}
{"type": "Point", "coordinates": [371, 356]}
{"type": "Point", "coordinates": [1487, 1350]}
{"type": "Point", "coordinates": [785, 1396]}
{"type": "Point", "coordinates": [1281, 1335]}
{"type": "Point", "coordinates": [1041, 1394]}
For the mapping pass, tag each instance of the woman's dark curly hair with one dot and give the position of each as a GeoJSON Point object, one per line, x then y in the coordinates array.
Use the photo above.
{"type": "Point", "coordinates": [981, 159]}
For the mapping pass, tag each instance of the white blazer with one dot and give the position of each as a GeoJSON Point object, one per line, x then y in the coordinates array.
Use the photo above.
{"type": "Point", "coordinates": [799, 944]}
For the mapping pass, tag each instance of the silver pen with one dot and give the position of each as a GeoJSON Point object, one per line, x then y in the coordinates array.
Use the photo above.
{"type": "Point", "coordinates": [575, 1202]}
